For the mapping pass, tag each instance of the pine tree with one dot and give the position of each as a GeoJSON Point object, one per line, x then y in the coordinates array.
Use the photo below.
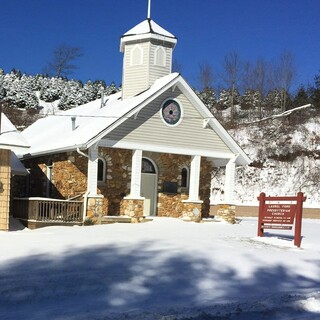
{"type": "Point", "coordinates": [208, 97]}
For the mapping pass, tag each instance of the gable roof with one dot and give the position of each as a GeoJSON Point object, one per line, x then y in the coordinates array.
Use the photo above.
{"type": "Point", "coordinates": [10, 137]}
{"type": "Point", "coordinates": [148, 26]}
{"type": "Point", "coordinates": [147, 29]}
{"type": "Point", "coordinates": [55, 134]}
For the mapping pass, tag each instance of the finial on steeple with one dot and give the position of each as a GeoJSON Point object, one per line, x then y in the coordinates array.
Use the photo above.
{"type": "Point", "coordinates": [149, 8]}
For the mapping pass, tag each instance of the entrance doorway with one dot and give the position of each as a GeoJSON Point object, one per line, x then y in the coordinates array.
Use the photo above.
{"type": "Point", "coordinates": [149, 180]}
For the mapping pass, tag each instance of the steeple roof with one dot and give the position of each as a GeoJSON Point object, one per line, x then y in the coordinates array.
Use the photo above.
{"type": "Point", "coordinates": [147, 29]}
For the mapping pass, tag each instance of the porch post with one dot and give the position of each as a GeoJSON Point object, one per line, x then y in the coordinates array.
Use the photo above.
{"type": "Point", "coordinates": [230, 181]}
{"type": "Point", "coordinates": [133, 204]}
{"type": "Point", "coordinates": [194, 179]}
{"type": "Point", "coordinates": [92, 171]}
{"type": "Point", "coordinates": [135, 187]}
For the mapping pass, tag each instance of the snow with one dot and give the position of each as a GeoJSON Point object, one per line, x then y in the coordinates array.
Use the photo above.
{"type": "Point", "coordinates": [56, 130]}
{"type": "Point", "coordinates": [164, 269]}
{"type": "Point", "coordinates": [299, 169]}
{"type": "Point", "coordinates": [10, 137]}
{"type": "Point", "coordinates": [148, 26]}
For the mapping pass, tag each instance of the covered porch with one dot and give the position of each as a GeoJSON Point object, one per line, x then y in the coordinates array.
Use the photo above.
{"type": "Point", "coordinates": [159, 184]}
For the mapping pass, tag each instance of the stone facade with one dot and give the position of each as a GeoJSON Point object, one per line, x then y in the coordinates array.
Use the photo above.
{"type": "Point", "coordinates": [59, 176]}
{"type": "Point", "coordinates": [5, 173]}
{"type": "Point", "coordinates": [64, 176]}
{"type": "Point", "coordinates": [227, 212]}
{"type": "Point", "coordinates": [132, 208]}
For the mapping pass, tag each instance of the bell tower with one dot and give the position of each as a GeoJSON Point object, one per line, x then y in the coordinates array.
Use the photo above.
{"type": "Point", "coordinates": [147, 50]}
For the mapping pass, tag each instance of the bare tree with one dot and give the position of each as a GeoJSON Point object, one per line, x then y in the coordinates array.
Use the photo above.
{"type": "Point", "coordinates": [176, 66]}
{"type": "Point", "coordinates": [261, 76]}
{"type": "Point", "coordinates": [205, 76]}
{"type": "Point", "coordinates": [231, 75]}
{"type": "Point", "coordinates": [62, 61]}
{"type": "Point", "coordinates": [284, 73]}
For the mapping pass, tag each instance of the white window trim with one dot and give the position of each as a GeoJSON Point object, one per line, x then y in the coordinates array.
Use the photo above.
{"type": "Point", "coordinates": [136, 47]}
{"type": "Point", "coordinates": [164, 55]}
{"type": "Point", "coordinates": [188, 178]}
{"type": "Point", "coordinates": [104, 168]}
{"type": "Point", "coordinates": [181, 109]}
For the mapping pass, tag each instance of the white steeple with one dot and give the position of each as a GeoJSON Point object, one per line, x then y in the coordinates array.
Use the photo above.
{"type": "Point", "coordinates": [147, 49]}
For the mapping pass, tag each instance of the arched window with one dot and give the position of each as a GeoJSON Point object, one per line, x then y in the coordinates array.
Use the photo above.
{"type": "Point", "coordinates": [160, 57]}
{"type": "Point", "coordinates": [136, 56]}
{"type": "Point", "coordinates": [147, 166]}
{"type": "Point", "coordinates": [102, 168]}
{"type": "Point", "coordinates": [184, 177]}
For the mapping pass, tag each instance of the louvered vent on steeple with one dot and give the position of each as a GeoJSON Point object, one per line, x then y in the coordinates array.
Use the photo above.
{"type": "Point", "coordinates": [147, 56]}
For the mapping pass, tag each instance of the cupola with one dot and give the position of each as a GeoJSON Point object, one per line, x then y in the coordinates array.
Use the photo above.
{"type": "Point", "coordinates": [147, 50]}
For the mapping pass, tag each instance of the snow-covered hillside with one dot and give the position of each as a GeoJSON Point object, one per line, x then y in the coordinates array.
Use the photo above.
{"type": "Point", "coordinates": [286, 160]}
{"type": "Point", "coordinates": [167, 269]}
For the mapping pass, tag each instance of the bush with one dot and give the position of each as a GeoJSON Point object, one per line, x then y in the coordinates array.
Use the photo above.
{"type": "Point", "coordinates": [88, 222]}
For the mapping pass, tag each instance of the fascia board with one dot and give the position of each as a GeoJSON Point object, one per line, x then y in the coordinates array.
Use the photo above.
{"type": "Point", "coordinates": [147, 36]}
{"type": "Point", "coordinates": [52, 151]}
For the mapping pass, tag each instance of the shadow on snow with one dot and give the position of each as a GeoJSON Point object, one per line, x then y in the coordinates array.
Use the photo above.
{"type": "Point", "coordinates": [103, 280]}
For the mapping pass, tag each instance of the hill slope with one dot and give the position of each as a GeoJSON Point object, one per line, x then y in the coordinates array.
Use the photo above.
{"type": "Point", "coordinates": [285, 155]}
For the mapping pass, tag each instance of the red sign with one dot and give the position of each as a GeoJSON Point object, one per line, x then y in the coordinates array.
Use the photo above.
{"type": "Point", "coordinates": [281, 215]}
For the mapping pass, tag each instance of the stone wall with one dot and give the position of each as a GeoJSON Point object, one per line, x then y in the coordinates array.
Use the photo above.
{"type": "Point", "coordinates": [5, 172]}
{"type": "Point", "coordinates": [118, 177]}
{"type": "Point", "coordinates": [68, 175]}
{"type": "Point", "coordinates": [132, 208]}
{"type": "Point", "coordinates": [69, 179]}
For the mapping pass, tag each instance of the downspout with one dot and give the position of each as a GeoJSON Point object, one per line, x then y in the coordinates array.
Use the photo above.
{"type": "Point", "coordinates": [85, 196]}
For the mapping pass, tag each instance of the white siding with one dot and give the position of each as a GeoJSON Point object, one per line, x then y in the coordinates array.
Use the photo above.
{"type": "Point", "coordinates": [137, 78]}
{"type": "Point", "coordinates": [149, 128]}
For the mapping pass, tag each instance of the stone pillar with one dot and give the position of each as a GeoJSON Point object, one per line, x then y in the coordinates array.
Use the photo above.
{"type": "Point", "coordinates": [94, 208]}
{"type": "Point", "coordinates": [227, 212]}
{"type": "Point", "coordinates": [5, 173]}
{"type": "Point", "coordinates": [132, 208]}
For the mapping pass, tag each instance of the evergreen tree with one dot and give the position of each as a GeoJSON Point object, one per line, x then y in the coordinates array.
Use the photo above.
{"type": "Point", "coordinates": [301, 98]}
{"type": "Point", "coordinates": [20, 93]}
{"type": "Point", "coordinates": [208, 97]}
{"type": "Point", "coordinates": [72, 95]}
{"type": "Point", "coordinates": [315, 92]}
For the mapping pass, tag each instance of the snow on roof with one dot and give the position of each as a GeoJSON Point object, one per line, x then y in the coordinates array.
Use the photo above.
{"type": "Point", "coordinates": [55, 133]}
{"type": "Point", "coordinates": [10, 137]}
{"type": "Point", "coordinates": [148, 26]}
{"type": "Point", "coordinates": [145, 30]}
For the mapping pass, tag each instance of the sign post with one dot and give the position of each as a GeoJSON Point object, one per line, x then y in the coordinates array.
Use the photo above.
{"type": "Point", "coordinates": [277, 215]}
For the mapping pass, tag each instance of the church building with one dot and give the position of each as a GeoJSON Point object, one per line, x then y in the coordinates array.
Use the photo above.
{"type": "Point", "coordinates": [148, 150]}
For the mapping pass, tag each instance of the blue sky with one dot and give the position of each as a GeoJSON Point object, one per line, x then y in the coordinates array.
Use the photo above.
{"type": "Point", "coordinates": [207, 30]}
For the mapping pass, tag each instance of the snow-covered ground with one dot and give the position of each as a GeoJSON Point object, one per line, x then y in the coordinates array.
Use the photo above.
{"type": "Point", "coordinates": [165, 269]}
{"type": "Point", "coordinates": [286, 160]}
